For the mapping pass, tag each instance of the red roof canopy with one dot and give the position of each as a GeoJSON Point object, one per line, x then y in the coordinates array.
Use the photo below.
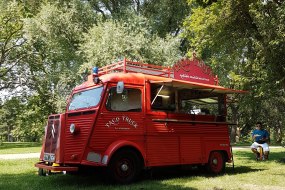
{"type": "Point", "coordinates": [192, 74]}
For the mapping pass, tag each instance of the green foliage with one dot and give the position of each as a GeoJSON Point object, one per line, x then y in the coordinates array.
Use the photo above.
{"type": "Point", "coordinates": [32, 121]}
{"type": "Point", "coordinates": [9, 113]}
{"type": "Point", "coordinates": [131, 39]}
{"type": "Point", "coordinates": [54, 35]}
{"type": "Point", "coordinates": [12, 43]}
{"type": "Point", "coordinates": [114, 9]}
{"type": "Point", "coordinates": [46, 44]}
{"type": "Point", "coordinates": [166, 16]}
{"type": "Point", "coordinates": [22, 121]}
{"type": "Point", "coordinates": [244, 42]}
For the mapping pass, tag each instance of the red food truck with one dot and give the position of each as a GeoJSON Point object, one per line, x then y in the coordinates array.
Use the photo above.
{"type": "Point", "coordinates": [129, 116]}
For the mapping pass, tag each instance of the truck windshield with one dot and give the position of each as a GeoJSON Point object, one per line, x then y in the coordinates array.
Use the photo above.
{"type": "Point", "coordinates": [85, 99]}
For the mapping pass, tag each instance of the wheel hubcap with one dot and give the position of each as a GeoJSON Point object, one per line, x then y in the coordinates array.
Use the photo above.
{"type": "Point", "coordinates": [124, 167]}
{"type": "Point", "coordinates": [215, 161]}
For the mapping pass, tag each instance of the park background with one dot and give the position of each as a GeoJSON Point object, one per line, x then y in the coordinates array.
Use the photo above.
{"type": "Point", "coordinates": [48, 46]}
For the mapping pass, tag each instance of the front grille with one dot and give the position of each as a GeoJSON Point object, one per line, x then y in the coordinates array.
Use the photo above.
{"type": "Point", "coordinates": [52, 134]}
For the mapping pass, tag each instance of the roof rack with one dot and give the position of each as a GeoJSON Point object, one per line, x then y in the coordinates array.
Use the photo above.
{"type": "Point", "coordinates": [127, 66]}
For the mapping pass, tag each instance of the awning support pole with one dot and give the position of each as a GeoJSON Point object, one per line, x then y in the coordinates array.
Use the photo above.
{"type": "Point", "coordinates": [157, 94]}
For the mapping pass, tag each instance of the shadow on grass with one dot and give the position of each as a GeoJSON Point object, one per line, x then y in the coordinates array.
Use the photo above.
{"type": "Point", "coordinates": [242, 169]}
{"type": "Point", "coordinates": [170, 173]}
{"type": "Point", "coordinates": [157, 179]}
{"type": "Point", "coordinates": [70, 182]}
{"type": "Point", "coordinates": [152, 179]}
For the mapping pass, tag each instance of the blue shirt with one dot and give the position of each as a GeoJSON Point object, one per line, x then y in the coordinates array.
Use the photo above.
{"type": "Point", "coordinates": [262, 134]}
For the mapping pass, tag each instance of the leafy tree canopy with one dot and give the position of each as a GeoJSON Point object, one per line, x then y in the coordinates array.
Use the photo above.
{"type": "Point", "coordinates": [244, 42]}
{"type": "Point", "coordinates": [12, 43]}
{"type": "Point", "coordinates": [45, 46]}
{"type": "Point", "coordinates": [132, 39]}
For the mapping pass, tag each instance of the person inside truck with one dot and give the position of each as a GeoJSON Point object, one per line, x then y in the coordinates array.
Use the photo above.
{"type": "Point", "coordinates": [261, 139]}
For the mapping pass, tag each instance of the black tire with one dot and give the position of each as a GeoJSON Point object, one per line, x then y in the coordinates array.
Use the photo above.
{"type": "Point", "coordinates": [124, 167]}
{"type": "Point", "coordinates": [216, 163]}
{"type": "Point", "coordinates": [42, 172]}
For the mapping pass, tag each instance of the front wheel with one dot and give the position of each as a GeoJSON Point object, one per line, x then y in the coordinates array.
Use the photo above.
{"type": "Point", "coordinates": [124, 167]}
{"type": "Point", "coordinates": [216, 163]}
{"type": "Point", "coordinates": [43, 172]}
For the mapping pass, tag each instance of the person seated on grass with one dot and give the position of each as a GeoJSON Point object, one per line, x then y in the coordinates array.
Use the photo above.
{"type": "Point", "coordinates": [260, 137]}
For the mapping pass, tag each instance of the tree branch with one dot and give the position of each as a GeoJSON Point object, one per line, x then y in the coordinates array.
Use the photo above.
{"type": "Point", "coordinates": [13, 65]}
{"type": "Point", "coordinates": [8, 39]}
{"type": "Point", "coordinates": [138, 4]}
{"type": "Point", "coordinates": [278, 2]}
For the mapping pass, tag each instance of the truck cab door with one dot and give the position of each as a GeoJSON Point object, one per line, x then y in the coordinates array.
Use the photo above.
{"type": "Point", "coordinates": [121, 118]}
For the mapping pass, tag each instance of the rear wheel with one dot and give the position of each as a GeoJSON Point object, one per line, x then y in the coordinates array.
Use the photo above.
{"type": "Point", "coordinates": [124, 167]}
{"type": "Point", "coordinates": [216, 163]}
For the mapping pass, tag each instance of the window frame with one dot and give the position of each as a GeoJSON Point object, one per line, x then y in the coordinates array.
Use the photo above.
{"type": "Point", "coordinates": [175, 92]}
{"type": "Point", "coordinates": [126, 88]}
{"type": "Point", "coordinates": [85, 90]}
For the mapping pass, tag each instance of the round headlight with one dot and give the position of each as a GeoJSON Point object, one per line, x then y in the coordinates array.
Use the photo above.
{"type": "Point", "coordinates": [72, 128]}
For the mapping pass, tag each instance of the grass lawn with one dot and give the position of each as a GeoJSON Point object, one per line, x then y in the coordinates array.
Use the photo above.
{"type": "Point", "coordinates": [19, 147]}
{"type": "Point", "coordinates": [248, 174]}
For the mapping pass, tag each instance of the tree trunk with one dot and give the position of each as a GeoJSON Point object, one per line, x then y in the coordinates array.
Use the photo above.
{"type": "Point", "coordinates": [279, 135]}
{"type": "Point", "coordinates": [233, 133]}
{"type": "Point", "coordinates": [234, 128]}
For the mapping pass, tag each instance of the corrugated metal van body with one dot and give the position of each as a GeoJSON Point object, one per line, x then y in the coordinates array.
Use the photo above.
{"type": "Point", "coordinates": [162, 147]}
{"type": "Point", "coordinates": [173, 143]}
{"type": "Point", "coordinates": [115, 126]}
{"type": "Point", "coordinates": [75, 144]}
{"type": "Point", "coordinates": [163, 138]}
{"type": "Point", "coordinates": [103, 136]}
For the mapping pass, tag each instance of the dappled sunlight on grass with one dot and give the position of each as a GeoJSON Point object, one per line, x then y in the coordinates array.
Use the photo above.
{"type": "Point", "coordinates": [248, 174]}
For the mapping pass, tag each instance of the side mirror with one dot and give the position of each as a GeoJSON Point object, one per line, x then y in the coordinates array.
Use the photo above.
{"type": "Point", "coordinates": [120, 87]}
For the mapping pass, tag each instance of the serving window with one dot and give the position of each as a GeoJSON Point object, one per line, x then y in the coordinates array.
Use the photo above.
{"type": "Point", "coordinates": [162, 98]}
{"type": "Point", "coordinates": [187, 101]}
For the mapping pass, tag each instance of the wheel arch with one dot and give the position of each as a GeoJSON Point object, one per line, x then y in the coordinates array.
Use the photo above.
{"type": "Point", "coordinates": [124, 145]}
{"type": "Point", "coordinates": [227, 157]}
{"type": "Point", "coordinates": [225, 154]}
